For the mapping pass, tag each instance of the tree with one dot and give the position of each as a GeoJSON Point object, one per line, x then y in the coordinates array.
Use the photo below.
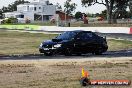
{"type": "Point", "coordinates": [110, 4]}
{"type": "Point", "coordinates": [90, 15]}
{"type": "Point", "coordinates": [0, 14]}
{"type": "Point", "coordinates": [78, 15]}
{"type": "Point", "coordinates": [58, 6]}
{"type": "Point", "coordinates": [130, 6]}
{"type": "Point", "coordinates": [104, 14]}
{"type": "Point", "coordinates": [12, 7]}
{"type": "Point", "coordinates": [69, 7]}
{"type": "Point", "coordinates": [119, 9]}
{"type": "Point", "coordinates": [97, 14]}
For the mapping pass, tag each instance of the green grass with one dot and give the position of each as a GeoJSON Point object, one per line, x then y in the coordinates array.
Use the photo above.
{"type": "Point", "coordinates": [20, 26]}
{"type": "Point", "coordinates": [27, 43]}
{"type": "Point", "coordinates": [31, 26]}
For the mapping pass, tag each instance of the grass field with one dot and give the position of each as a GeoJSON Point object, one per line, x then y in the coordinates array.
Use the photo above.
{"type": "Point", "coordinates": [27, 43]}
{"type": "Point", "coordinates": [21, 43]}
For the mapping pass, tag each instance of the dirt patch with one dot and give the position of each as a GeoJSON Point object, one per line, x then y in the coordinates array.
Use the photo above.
{"type": "Point", "coordinates": [62, 73]}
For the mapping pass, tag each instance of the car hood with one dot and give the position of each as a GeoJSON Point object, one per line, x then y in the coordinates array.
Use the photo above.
{"type": "Point", "coordinates": [53, 42]}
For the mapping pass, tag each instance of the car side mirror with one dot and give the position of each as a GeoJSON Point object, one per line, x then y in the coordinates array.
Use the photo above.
{"type": "Point", "coordinates": [72, 38]}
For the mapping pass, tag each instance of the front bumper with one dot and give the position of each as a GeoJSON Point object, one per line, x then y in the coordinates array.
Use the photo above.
{"type": "Point", "coordinates": [50, 50]}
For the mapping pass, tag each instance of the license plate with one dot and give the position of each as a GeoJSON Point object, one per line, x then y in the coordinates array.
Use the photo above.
{"type": "Point", "coordinates": [46, 48]}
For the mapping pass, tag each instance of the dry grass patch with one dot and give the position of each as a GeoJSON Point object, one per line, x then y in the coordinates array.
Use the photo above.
{"type": "Point", "coordinates": [115, 45]}
{"type": "Point", "coordinates": [61, 74]}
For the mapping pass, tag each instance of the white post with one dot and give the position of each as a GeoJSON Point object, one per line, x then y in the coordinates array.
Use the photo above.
{"type": "Point", "coordinates": [57, 19]}
{"type": "Point", "coordinates": [65, 17]}
{"type": "Point", "coordinates": [42, 18]}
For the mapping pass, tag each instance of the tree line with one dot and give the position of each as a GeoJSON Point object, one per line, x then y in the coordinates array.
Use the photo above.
{"type": "Point", "coordinates": [103, 14]}
{"type": "Point", "coordinates": [113, 7]}
{"type": "Point", "coordinates": [11, 7]}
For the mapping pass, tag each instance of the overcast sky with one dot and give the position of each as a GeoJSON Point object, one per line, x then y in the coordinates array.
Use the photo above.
{"type": "Point", "coordinates": [93, 9]}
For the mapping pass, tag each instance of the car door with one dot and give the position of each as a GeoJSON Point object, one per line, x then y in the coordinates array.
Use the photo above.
{"type": "Point", "coordinates": [96, 41]}
{"type": "Point", "coordinates": [83, 43]}
{"type": "Point", "coordinates": [89, 42]}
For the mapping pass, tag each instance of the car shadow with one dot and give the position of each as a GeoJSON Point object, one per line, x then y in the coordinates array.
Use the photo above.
{"type": "Point", "coordinates": [109, 54]}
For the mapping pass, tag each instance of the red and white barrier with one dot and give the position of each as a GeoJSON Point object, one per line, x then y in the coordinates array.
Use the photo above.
{"type": "Point", "coordinates": [130, 31]}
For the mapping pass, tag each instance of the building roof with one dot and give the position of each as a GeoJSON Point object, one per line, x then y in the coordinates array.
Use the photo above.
{"type": "Point", "coordinates": [33, 3]}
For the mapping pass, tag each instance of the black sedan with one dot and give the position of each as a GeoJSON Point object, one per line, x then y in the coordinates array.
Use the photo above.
{"type": "Point", "coordinates": [74, 42]}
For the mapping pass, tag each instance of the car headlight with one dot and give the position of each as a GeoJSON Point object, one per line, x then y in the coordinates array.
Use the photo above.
{"type": "Point", "coordinates": [57, 45]}
{"type": "Point", "coordinates": [41, 44]}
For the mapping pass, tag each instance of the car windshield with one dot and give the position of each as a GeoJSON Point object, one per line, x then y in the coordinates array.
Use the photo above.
{"type": "Point", "coordinates": [67, 35]}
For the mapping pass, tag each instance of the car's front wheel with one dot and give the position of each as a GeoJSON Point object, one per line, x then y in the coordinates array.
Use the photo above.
{"type": "Point", "coordinates": [68, 52]}
{"type": "Point", "coordinates": [48, 54]}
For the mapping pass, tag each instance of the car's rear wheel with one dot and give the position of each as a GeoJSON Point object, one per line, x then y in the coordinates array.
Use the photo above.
{"type": "Point", "coordinates": [99, 52]}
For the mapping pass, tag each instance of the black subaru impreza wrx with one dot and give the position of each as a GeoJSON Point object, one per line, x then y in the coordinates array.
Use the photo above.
{"type": "Point", "coordinates": [74, 42]}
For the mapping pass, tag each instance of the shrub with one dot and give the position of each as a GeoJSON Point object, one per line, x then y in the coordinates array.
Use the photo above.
{"type": "Point", "coordinates": [10, 21]}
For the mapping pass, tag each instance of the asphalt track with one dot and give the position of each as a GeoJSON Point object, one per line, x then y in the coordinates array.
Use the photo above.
{"type": "Point", "coordinates": [118, 36]}
{"type": "Point", "coordinates": [109, 54]}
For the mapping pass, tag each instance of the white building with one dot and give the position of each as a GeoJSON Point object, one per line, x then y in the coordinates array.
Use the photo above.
{"type": "Point", "coordinates": [37, 10]}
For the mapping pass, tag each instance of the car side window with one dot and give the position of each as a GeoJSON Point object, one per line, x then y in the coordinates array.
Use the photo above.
{"type": "Point", "coordinates": [90, 35]}
{"type": "Point", "coordinates": [95, 36]}
{"type": "Point", "coordinates": [86, 36]}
